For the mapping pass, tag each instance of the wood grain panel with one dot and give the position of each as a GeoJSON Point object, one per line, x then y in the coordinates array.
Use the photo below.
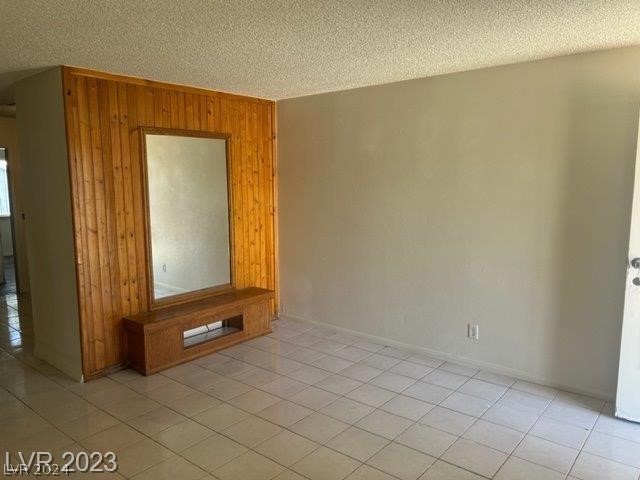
{"type": "Point", "coordinates": [104, 113]}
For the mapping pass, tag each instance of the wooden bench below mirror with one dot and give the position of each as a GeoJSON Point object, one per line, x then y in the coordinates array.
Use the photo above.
{"type": "Point", "coordinates": [163, 338]}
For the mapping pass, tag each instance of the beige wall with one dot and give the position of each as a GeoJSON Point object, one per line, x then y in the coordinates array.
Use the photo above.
{"type": "Point", "coordinates": [9, 140]}
{"type": "Point", "coordinates": [499, 197]}
{"type": "Point", "coordinates": [49, 228]}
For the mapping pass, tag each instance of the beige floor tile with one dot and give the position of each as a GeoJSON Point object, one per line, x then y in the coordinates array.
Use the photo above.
{"type": "Point", "coordinates": [614, 448]}
{"type": "Point", "coordinates": [257, 377]}
{"type": "Point", "coordinates": [455, 423]}
{"type": "Point", "coordinates": [617, 427]}
{"type": "Point", "coordinates": [305, 355]}
{"type": "Point", "coordinates": [49, 438]}
{"type": "Point", "coordinates": [524, 401]}
{"type": "Point", "coordinates": [357, 443]}
{"type": "Point", "coordinates": [285, 413]}
{"type": "Point", "coordinates": [445, 471]}
{"type": "Point", "coordinates": [193, 404]}
{"type": "Point", "coordinates": [411, 369]}
{"type": "Point", "coordinates": [575, 415]}
{"type": "Point", "coordinates": [475, 457]}
{"type": "Point", "coordinates": [371, 395]}
{"type": "Point", "coordinates": [400, 461]}
{"type": "Point", "coordinates": [309, 374]}
{"type": "Point", "coordinates": [89, 424]}
{"type": "Point", "coordinates": [381, 362]}
{"type": "Point", "coordinates": [201, 380]}
{"type": "Point", "coordinates": [512, 417]}
{"type": "Point", "coordinates": [288, 475]}
{"type": "Point", "coordinates": [384, 424]}
{"type": "Point", "coordinates": [284, 387]}
{"type": "Point", "coordinates": [467, 404]}
{"type": "Point", "coordinates": [156, 420]}
{"type": "Point", "coordinates": [427, 392]}
{"type": "Point", "coordinates": [558, 432]}
{"type": "Point", "coordinates": [131, 408]}
{"type": "Point", "coordinates": [547, 454]}
{"type": "Point", "coordinates": [140, 456]}
{"type": "Point", "coordinates": [254, 400]}
{"type": "Point", "coordinates": [332, 364]}
{"type": "Point", "coordinates": [313, 398]}
{"type": "Point", "coordinates": [213, 452]}
{"type": "Point", "coordinates": [495, 436]}
{"type": "Point", "coordinates": [182, 435]}
{"type": "Point", "coordinates": [170, 392]}
{"type": "Point", "coordinates": [392, 381]}
{"type": "Point", "coordinates": [227, 389]}
{"type": "Point", "coordinates": [112, 439]}
{"type": "Point", "coordinates": [592, 467]}
{"type": "Point", "coordinates": [144, 384]}
{"type": "Point", "coordinates": [221, 416]}
{"type": "Point", "coordinates": [325, 464]}
{"type": "Point", "coordinates": [365, 472]}
{"type": "Point", "coordinates": [286, 448]}
{"type": "Point", "coordinates": [486, 390]}
{"type": "Point", "coordinates": [64, 414]}
{"type": "Point", "coordinates": [113, 394]}
{"type": "Point", "coordinates": [517, 469]}
{"type": "Point", "coordinates": [353, 354]}
{"type": "Point", "coordinates": [444, 379]}
{"type": "Point", "coordinates": [318, 427]}
{"type": "Point", "coordinates": [172, 469]}
{"type": "Point", "coordinates": [361, 372]}
{"type": "Point", "coordinates": [407, 407]}
{"type": "Point", "coordinates": [249, 466]}
{"type": "Point", "coordinates": [338, 384]}
{"type": "Point", "coordinates": [426, 439]}
{"type": "Point", "coordinates": [251, 431]}
{"type": "Point", "coordinates": [347, 410]}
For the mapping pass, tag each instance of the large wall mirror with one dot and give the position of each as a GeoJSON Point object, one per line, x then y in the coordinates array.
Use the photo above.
{"type": "Point", "coordinates": [188, 214]}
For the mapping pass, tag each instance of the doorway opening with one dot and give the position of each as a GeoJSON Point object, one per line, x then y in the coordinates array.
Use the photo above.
{"type": "Point", "coordinates": [8, 273]}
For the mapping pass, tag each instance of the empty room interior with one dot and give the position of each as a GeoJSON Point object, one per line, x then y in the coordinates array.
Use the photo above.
{"type": "Point", "coordinates": [320, 240]}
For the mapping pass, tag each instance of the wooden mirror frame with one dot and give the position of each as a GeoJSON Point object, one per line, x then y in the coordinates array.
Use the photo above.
{"type": "Point", "coordinates": [154, 303]}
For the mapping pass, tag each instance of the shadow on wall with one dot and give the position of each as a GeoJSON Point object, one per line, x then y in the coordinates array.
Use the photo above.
{"type": "Point", "coordinates": [592, 260]}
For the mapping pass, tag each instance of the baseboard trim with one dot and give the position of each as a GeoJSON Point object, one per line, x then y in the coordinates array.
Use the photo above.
{"type": "Point", "coordinates": [469, 362]}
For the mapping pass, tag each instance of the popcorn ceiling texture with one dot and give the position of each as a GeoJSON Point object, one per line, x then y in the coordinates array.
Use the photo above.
{"type": "Point", "coordinates": [284, 48]}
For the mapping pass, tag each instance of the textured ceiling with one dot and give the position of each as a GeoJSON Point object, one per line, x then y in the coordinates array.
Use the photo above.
{"type": "Point", "coordinates": [284, 48]}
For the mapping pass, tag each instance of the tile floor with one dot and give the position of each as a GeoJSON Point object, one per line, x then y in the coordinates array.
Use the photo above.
{"type": "Point", "coordinates": [309, 403]}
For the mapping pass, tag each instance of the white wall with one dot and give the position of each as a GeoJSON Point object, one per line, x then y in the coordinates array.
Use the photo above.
{"type": "Point", "coordinates": [49, 229]}
{"type": "Point", "coordinates": [500, 197]}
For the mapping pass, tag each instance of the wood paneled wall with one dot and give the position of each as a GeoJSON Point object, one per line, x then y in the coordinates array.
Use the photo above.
{"type": "Point", "coordinates": [104, 114]}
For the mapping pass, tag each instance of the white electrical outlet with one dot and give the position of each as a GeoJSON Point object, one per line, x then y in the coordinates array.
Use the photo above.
{"type": "Point", "coordinates": [473, 331]}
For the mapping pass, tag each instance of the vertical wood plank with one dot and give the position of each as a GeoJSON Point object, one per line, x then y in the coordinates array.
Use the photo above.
{"type": "Point", "coordinates": [76, 175]}
{"type": "Point", "coordinates": [112, 234]}
{"type": "Point", "coordinates": [90, 217]}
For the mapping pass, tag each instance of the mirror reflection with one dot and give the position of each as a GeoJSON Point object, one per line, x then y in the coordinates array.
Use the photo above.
{"type": "Point", "coordinates": [188, 208]}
